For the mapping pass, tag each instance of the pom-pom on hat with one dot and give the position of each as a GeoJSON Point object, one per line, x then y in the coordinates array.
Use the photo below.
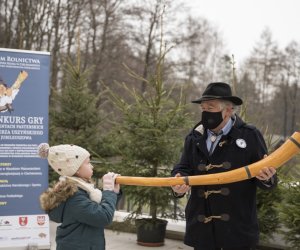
{"type": "Point", "coordinates": [65, 159]}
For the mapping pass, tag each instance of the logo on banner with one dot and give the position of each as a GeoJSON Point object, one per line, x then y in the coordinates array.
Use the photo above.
{"type": "Point", "coordinates": [41, 220]}
{"type": "Point", "coordinates": [8, 94]}
{"type": "Point", "coordinates": [23, 220]}
{"type": "Point", "coordinates": [4, 223]}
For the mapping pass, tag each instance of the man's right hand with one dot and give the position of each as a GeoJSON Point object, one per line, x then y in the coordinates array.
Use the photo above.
{"type": "Point", "coordinates": [180, 189]}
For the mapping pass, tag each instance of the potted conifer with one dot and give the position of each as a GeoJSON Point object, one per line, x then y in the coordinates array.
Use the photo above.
{"type": "Point", "coordinates": [149, 140]}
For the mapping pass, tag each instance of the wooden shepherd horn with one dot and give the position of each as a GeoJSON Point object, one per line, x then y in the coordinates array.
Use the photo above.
{"type": "Point", "coordinates": [284, 153]}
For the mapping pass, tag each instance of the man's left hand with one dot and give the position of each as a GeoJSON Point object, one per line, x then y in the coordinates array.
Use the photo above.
{"type": "Point", "coordinates": [266, 173]}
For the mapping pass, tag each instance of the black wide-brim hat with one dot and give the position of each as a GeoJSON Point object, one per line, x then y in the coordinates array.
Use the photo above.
{"type": "Point", "coordinates": [219, 90]}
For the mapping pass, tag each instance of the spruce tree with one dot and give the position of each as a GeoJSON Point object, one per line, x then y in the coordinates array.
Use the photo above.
{"type": "Point", "coordinates": [74, 115]}
{"type": "Point", "coordinates": [149, 139]}
{"type": "Point", "coordinates": [268, 217]}
{"type": "Point", "coordinates": [289, 212]}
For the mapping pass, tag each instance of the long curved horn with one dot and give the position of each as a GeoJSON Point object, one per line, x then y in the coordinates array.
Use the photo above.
{"type": "Point", "coordinates": [284, 153]}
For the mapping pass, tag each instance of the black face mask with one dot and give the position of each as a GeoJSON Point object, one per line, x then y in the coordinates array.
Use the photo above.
{"type": "Point", "coordinates": [211, 120]}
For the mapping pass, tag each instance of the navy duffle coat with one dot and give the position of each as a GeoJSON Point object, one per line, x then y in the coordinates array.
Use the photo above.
{"type": "Point", "coordinates": [234, 204]}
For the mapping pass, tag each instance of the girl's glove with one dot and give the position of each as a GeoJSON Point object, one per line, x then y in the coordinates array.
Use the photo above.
{"type": "Point", "coordinates": [109, 182]}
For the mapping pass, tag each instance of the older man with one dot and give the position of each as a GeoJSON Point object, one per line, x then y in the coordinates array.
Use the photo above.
{"type": "Point", "coordinates": [222, 216]}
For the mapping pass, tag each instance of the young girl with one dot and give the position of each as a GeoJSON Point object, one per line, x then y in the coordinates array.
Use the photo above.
{"type": "Point", "coordinates": [82, 210]}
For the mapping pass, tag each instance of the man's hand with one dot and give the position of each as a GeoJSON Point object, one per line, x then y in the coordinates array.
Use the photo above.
{"type": "Point", "coordinates": [180, 189]}
{"type": "Point", "coordinates": [266, 173]}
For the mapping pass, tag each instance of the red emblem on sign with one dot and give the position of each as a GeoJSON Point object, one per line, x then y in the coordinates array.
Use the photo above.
{"type": "Point", "coordinates": [23, 221]}
{"type": "Point", "coordinates": [41, 220]}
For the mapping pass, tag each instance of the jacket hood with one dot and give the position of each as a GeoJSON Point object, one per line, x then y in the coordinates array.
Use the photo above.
{"type": "Point", "coordinates": [53, 197]}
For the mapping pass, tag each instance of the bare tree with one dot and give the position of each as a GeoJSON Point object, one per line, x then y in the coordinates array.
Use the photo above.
{"type": "Point", "coordinates": [24, 23]}
{"type": "Point", "coordinates": [7, 10]}
{"type": "Point", "coordinates": [264, 64]}
{"type": "Point", "coordinates": [199, 54]}
{"type": "Point", "coordinates": [56, 41]}
{"type": "Point", "coordinates": [293, 58]}
{"type": "Point", "coordinates": [290, 71]}
{"type": "Point", "coordinates": [143, 18]}
{"type": "Point", "coordinates": [103, 33]}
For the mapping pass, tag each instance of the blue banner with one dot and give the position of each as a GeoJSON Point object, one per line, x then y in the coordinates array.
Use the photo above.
{"type": "Point", "coordinates": [24, 100]}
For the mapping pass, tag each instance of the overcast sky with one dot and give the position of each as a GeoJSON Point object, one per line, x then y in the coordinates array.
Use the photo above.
{"type": "Point", "coordinates": [242, 21]}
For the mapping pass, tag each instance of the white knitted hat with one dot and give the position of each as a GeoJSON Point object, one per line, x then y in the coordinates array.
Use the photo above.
{"type": "Point", "coordinates": [65, 159]}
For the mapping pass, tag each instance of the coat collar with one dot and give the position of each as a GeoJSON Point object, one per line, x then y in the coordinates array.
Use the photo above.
{"type": "Point", "coordinates": [200, 134]}
{"type": "Point", "coordinates": [235, 131]}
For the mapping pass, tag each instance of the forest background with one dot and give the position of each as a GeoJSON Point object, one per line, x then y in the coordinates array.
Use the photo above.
{"type": "Point", "coordinates": [113, 43]}
{"type": "Point", "coordinates": [116, 33]}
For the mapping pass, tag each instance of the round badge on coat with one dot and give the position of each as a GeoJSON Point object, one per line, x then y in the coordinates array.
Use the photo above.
{"type": "Point", "coordinates": [241, 143]}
